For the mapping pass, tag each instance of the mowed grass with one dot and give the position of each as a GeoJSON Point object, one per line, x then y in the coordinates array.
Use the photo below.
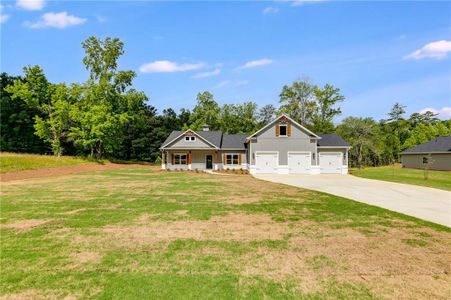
{"type": "Point", "coordinates": [12, 162]}
{"type": "Point", "coordinates": [436, 179]}
{"type": "Point", "coordinates": [142, 233]}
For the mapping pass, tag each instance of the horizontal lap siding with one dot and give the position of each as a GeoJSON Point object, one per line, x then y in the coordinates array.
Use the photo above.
{"type": "Point", "coordinates": [439, 161]}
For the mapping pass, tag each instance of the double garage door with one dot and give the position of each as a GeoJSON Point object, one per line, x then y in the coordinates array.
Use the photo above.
{"type": "Point", "coordinates": [298, 162]}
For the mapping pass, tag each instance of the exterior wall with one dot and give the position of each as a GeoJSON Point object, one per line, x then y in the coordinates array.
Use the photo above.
{"type": "Point", "coordinates": [181, 143]}
{"type": "Point", "coordinates": [440, 161]}
{"type": "Point", "coordinates": [198, 160]}
{"type": "Point", "coordinates": [243, 159]}
{"type": "Point", "coordinates": [268, 141]}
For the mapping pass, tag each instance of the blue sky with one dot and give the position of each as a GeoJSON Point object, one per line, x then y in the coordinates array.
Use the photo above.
{"type": "Point", "coordinates": [377, 53]}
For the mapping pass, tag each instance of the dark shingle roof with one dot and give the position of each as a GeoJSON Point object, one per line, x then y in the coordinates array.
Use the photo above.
{"type": "Point", "coordinates": [234, 141]}
{"type": "Point", "coordinates": [172, 136]}
{"type": "Point", "coordinates": [213, 137]}
{"type": "Point", "coordinates": [440, 144]}
{"type": "Point", "coordinates": [331, 139]}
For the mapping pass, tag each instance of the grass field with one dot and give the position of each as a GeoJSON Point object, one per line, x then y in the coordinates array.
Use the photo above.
{"type": "Point", "coordinates": [12, 162]}
{"type": "Point", "coordinates": [142, 233]}
{"type": "Point", "coordinates": [436, 179]}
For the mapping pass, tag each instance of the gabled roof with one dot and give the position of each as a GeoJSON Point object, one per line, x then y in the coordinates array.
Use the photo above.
{"type": "Point", "coordinates": [213, 138]}
{"type": "Point", "coordinates": [440, 144]}
{"type": "Point", "coordinates": [234, 141]}
{"type": "Point", "coordinates": [332, 140]}
{"type": "Point", "coordinates": [276, 119]}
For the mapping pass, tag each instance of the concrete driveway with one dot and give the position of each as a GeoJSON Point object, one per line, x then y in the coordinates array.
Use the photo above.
{"type": "Point", "coordinates": [425, 203]}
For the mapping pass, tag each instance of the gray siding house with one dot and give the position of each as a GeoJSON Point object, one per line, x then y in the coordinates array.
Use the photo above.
{"type": "Point", "coordinates": [283, 146]}
{"type": "Point", "coordinates": [435, 155]}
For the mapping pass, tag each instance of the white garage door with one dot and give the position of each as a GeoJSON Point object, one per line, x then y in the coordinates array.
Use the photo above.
{"type": "Point", "coordinates": [266, 162]}
{"type": "Point", "coordinates": [330, 162]}
{"type": "Point", "coordinates": [299, 162]}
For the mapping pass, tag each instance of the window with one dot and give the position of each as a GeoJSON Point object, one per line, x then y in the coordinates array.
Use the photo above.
{"type": "Point", "coordinates": [232, 159]}
{"type": "Point", "coordinates": [282, 129]}
{"type": "Point", "coordinates": [313, 156]}
{"type": "Point", "coordinates": [180, 159]}
{"type": "Point", "coordinates": [312, 141]}
{"type": "Point", "coordinates": [190, 138]}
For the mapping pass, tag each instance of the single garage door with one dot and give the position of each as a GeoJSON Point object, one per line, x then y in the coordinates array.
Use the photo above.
{"type": "Point", "coordinates": [299, 162]}
{"type": "Point", "coordinates": [266, 162]}
{"type": "Point", "coordinates": [330, 162]}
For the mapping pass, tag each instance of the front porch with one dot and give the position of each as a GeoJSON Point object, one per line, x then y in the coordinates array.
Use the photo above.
{"type": "Point", "coordinates": [184, 159]}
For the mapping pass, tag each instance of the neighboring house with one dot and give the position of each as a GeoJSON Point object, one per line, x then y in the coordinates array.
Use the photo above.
{"type": "Point", "coordinates": [283, 146]}
{"type": "Point", "coordinates": [435, 155]}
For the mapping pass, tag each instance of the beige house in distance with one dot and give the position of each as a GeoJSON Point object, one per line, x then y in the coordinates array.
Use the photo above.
{"type": "Point", "coordinates": [435, 155]}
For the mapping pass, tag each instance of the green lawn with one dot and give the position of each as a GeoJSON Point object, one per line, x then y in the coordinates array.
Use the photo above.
{"type": "Point", "coordinates": [436, 179]}
{"type": "Point", "coordinates": [141, 233]}
{"type": "Point", "coordinates": [11, 162]}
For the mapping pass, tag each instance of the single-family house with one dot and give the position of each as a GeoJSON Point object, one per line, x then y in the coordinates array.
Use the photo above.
{"type": "Point", "coordinates": [283, 146]}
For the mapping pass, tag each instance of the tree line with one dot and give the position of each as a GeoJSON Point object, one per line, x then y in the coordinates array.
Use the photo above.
{"type": "Point", "coordinates": [106, 117]}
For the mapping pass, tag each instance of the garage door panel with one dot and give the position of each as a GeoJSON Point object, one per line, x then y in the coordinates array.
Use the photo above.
{"type": "Point", "coordinates": [299, 162]}
{"type": "Point", "coordinates": [330, 162]}
{"type": "Point", "coordinates": [266, 162]}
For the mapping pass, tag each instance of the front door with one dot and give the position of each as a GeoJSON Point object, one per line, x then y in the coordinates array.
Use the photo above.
{"type": "Point", "coordinates": [209, 162]}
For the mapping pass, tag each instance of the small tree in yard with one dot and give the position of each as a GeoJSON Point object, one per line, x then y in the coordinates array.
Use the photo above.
{"type": "Point", "coordinates": [427, 162]}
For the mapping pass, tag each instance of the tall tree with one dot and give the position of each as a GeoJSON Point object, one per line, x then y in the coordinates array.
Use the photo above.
{"type": "Point", "coordinates": [298, 101]}
{"type": "Point", "coordinates": [104, 109]}
{"type": "Point", "coordinates": [51, 100]}
{"type": "Point", "coordinates": [362, 134]}
{"type": "Point", "coordinates": [206, 112]}
{"type": "Point", "coordinates": [17, 121]}
{"type": "Point", "coordinates": [326, 99]}
{"type": "Point", "coordinates": [238, 118]}
{"type": "Point", "coordinates": [266, 114]}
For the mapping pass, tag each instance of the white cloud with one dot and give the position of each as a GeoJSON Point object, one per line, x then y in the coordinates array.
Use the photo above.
{"type": "Point", "coordinates": [270, 10]}
{"type": "Point", "coordinates": [436, 50]}
{"type": "Point", "coordinates": [443, 113]}
{"type": "Point", "coordinates": [222, 84]}
{"type": "Point", "coordinates": [207, 74]}
{"type": "Point", "coordinates": [3, 18]}
{"type": "Point", "coordinates": [31, 4]}
{"type": "Point", "coordinates": [302, 2]}
{"type": "Point", "coordinates": [57, 20]}
{"type": "Point", "coordinates": [166, 66]}
{"type": "Point", "coordinates": [256, 63]}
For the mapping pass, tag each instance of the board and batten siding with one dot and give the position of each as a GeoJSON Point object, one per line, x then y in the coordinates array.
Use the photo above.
{"type": "Point", "coordinates": [267, 140]}
{"type": "Point", "coordinates": [440, 161]}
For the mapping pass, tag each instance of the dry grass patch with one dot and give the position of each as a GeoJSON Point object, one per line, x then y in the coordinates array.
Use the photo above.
{"type": "Point", "coordinates": [27, 225]}
{"type": "Point", "coordinates": [232, 227]}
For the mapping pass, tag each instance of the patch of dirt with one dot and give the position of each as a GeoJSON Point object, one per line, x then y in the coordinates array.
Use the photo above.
{"type": "Point", "coordinates": [27, 225]}
{"type": "Point", "coordinates": [237, 227]}
{"type": "Point", "coordinates": [66, 170]}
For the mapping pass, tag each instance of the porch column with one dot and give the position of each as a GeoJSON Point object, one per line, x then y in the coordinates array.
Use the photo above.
{"type": "Point", "coordinates": [215, 160]}
{"type": "Point", "coordinates": [190, 160]}
{"type": "Point", "coordinates": [163, 160]}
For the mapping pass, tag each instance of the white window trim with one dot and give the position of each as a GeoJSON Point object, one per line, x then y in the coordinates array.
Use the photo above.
{"type": "Point", "coordinates": [180, 154]}
{"type": "Point", "coordinates": [232, 164]}
{"type": "Point", "coordinates": [190, 138]}
{"type": "Point", "coordinates": [286, 129]}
